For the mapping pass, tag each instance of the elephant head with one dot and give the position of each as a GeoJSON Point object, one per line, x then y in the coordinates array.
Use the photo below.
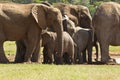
{"type": "Point", "coordinates": [79, 14]}
{"type": "Point", "coordinates": [48, 37]}
{"type": "Point", "coordinates": [85, 19]}
{"type": "Point", "coordinates": [45, 37]}
{"type": "Point", "coordinates": [47, 16]}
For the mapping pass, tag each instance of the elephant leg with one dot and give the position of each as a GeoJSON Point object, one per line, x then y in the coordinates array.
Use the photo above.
{"type": "Point", "coordinates": [84, 55]}
{"type": "Point", "coordinates": [20, 53]}
{"type": "Point", "coordinates": [55, 57]}
{"type": "Point", "coordinates": [89, 49]}
{"type": "Point", "coordinates": [31, 46]}
{"type": "Point", "coordinates": [75, 55]}
{"type": "Point", "coordinates": [66, 58]}
{"type": "Point", "coordinates": [96, 47]}
{"type": "Point", "coordinates": [59, 58]}
{"type": "Point", "coordinates": [36, 54]}
{"type": "Point", "coordinates": [50, 58]}
{"type": "Point", "coordinates": [29, 51]}
{"type": "Point", "coordinates": [71, 55]}
{"type": "Point", "coordinates": [3, 58]}
{"type": "Point", "coordinates": [45, 56]}
{"type": "Point", "coordinates": [104, 47]}
{"type": "Point", "coordinates": [80, 58]}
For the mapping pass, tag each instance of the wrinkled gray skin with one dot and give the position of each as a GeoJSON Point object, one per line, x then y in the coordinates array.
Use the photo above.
{"type": "Point", "coordinates": [83, 39]}
{"type": "Point", "coordinates": [106, 22]}
{"type": "Point", "coordinates": [80, 15]}
{"type": "Point", "coordinates": [49, 43]}
{"type": "Point", "coordinates": [21, 47]}
{"type": "Point", "coordinates": [24, 22]}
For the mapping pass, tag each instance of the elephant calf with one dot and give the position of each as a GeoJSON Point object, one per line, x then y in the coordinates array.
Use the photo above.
{"type": "Point", "coordinates": [49, 41]}
{"type": "Point", "coordinates": [83, 39]}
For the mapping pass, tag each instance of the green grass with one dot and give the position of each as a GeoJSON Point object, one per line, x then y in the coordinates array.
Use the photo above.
{"type": "Point", "coordinates": [114, 48]}
{"type": "Point", "coordinates": [111, 48]}
{"type": "Point", "coordinates": [10, 48]}
{"type": "Point", "coordinates": [58, 72]}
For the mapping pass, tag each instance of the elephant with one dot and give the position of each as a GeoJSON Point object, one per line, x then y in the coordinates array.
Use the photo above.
{"type": "Point", "coordinates": [79, 14]}
{"type": "Point", "coordinates": [21, 47]}
{"type": "Point", "coordinates": [82, 38]}
{"type": "Point", "coordinates": [25, 22]}
{"type": "Point", "coordinates": [106, 25]}
{"type": "Point", "coordinates": [49, 43]}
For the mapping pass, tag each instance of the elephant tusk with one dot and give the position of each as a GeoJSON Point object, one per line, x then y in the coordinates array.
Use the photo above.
{"type": "Point", "coordinates": [44, 31]}
{"type": "Point", "coordinates": [65, 17]}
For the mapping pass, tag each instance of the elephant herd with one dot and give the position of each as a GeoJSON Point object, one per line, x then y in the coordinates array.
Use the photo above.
{"type": "Point", "coordinates": [66, 31]}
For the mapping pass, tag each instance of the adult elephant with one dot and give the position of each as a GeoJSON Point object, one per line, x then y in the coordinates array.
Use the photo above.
{"type": "Point", "coordinates": [25, 22]}
{"type": "Point", "coordinates": [79, 14]}
{"type": "Point", "coordinates": [106, 22]}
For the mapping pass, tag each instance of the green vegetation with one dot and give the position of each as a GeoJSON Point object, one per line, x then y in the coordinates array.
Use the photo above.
{"type": "Point", "coordinates": [10, 48]}
{"type": "Point", "coordinates": [114, 48]}
{"type": "Point", "coordinates": [91, 4]}
{"type": "Point", "coordinates": [58, 72]}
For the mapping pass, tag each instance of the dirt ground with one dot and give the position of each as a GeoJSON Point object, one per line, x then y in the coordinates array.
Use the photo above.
{"type": "Point", "coordinates": [115, 55]}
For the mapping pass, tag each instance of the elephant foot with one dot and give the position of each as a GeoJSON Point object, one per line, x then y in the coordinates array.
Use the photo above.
{"type": "Point", "coordinates": [96, 60]}
{"type": "Point", "coordinates": [4, 60]}
{"type": "Point", "coordinates": [80, 62]}
{"type": "Point", "coordinates": [59, 61]}
{"type": "Point", "coordinates": [35, 59]}
{"type": "Point", "coordinates": [28, 62]}
{"type": "Point", "coordinates": [110, 61]}
{"type": "Point", "coordinates": [19, 60]}
{"type": "Point", "coordinates": [44, 63]}
{"type": "Point", "coordinates": [89, 62]}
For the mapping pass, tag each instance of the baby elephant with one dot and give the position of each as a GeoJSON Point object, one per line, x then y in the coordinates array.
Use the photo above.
{"type": "Point", "coordinates": [83, 38]}
{"type": "Point", "coordinates": [49, 41]}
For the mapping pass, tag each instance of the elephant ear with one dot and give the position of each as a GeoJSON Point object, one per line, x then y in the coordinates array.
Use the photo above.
{"type": "Point", "coordinates": [39, 13]}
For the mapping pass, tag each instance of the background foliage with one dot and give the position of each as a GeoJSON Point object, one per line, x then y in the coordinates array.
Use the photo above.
{"type": "Point", "coordinates": [91, 4]}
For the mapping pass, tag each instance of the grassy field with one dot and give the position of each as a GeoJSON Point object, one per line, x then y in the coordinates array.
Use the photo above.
{"type": "Point", "coordinates": [57, 72]}
{"type": "Point", "coordinates": [10, 48]}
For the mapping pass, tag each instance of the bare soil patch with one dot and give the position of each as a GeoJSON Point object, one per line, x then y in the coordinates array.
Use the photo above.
{"type": "Point", "coordinates": [115, 55]}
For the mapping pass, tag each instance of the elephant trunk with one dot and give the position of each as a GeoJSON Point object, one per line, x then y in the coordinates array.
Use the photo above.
{"type": "Point", "coordinates": [59, 32]}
